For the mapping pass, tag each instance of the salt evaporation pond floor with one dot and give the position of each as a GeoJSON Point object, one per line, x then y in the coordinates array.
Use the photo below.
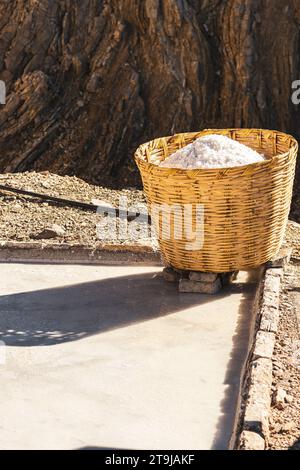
{"type": "Point", "coordinates": [115, 357]}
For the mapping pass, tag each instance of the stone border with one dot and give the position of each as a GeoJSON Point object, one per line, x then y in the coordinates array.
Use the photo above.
{"type": "Point", "coordinates": [252, 427]}
{"type": "Point", "coordinates": [101, 254]}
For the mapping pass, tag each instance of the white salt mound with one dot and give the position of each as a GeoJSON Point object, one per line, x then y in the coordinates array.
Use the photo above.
{"type": "Point", "coordinates": [212, 151]}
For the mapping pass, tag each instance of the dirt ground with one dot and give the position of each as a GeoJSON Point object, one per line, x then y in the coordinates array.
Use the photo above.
{"type": "Point", "coordinates": [24, 219]}
{"type": "Point", "coordinates": [285, 417]}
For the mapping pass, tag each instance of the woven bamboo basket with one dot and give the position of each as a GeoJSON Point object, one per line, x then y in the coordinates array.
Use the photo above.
{"type": "Point", "coordinates": [245, 208]}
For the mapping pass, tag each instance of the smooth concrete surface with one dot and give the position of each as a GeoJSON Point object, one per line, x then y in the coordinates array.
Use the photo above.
{"type": "Point", "coordinates": [115, 357]}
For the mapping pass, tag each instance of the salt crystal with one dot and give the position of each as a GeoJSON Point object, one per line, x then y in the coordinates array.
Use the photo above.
{"type": "Point", "coordinates": [212, 151]}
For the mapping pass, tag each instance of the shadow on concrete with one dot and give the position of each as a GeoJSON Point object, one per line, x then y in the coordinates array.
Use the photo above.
{"type": "Point", "coordinates": [239, 352]}
{"type": "Point", "coordinates": [57, 315]}
{"type": "Point", "coordinates": [53, 316]}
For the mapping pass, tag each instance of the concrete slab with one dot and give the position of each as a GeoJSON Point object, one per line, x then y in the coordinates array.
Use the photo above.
{"type": "Point", "coordinates": [115, 357]}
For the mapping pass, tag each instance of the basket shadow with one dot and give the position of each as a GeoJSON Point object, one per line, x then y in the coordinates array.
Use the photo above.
{"type": "Point", "coordinates": [233, 376]}
{"type": "Point", "coordinates": [57, 315]}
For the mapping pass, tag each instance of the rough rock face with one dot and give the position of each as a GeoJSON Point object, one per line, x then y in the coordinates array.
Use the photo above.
{"type": "Point", "coordinates": [88, 80]}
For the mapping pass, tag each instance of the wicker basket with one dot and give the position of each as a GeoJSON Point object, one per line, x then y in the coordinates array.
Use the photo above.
{"type": "Point", "coordinates": [246, 208]}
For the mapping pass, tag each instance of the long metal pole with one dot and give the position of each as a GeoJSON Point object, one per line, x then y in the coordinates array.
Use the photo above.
{"type": "Point", "coordinates": [114, 212]}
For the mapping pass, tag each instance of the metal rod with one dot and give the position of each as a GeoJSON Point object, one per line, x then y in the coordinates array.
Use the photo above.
{"type": "Point", "coordinates": [79, 204]}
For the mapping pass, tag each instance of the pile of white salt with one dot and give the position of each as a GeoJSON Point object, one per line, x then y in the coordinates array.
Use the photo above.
{"type": "Point", "coordinates": [212, 151]}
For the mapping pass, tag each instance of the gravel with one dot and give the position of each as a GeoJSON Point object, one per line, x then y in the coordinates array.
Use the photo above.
{"type": "Point", "coordinates": [292, 238]}
{"type": "Point", "coordinates": [26, 219]}
{"type": "Point", "coordinates": [285, 411]}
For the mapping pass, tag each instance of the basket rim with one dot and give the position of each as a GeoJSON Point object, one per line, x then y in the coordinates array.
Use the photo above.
{"type": "Point", "coordinates": [183, 171]}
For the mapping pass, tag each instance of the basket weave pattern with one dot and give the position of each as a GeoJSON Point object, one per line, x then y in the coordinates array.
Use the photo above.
{"type": "Point", "coordinates": [246, 208]}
